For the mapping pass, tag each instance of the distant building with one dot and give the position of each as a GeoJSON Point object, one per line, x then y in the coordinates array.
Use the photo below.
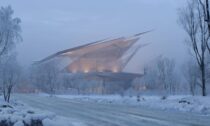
{"type": "Point", "coordinates": [100, 64]}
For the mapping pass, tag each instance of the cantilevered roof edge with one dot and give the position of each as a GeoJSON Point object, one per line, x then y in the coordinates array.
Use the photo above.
{"type": "Point", "coordinates": [82, 46]}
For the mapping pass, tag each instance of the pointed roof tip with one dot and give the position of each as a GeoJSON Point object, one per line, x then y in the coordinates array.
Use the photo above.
{"type": "Point", "coordinates": [146, 44]}
{"type": "Point", "coordinates": [139, 34]}
{"type": "Point", "coordinates": [35, 63]}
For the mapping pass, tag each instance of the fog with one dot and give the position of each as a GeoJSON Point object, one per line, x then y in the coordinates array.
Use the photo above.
{"type": "Point", "coordinates": [50, 26]}
{"type": "Point", "coordinates": [104, 62]}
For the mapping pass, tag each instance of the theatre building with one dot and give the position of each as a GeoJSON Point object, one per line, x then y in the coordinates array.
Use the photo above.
{"type": "Point", "coordinates": [98, 67]}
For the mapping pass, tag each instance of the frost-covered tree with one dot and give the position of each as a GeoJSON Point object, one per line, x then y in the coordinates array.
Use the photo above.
{"type": "Point", "coordinates": [67, 81]}
{"type": "Point", "coordinates": [166, 68]}
{"type": "Point", "coordinates": [9, 30]}
{"type": "Point", "coordinates": [161, 75]}
{"type": "Point", "coordinates": [46, 76]}
{"type": "Point", "coordinates": [10, 75]}
{"type": "Point", "coordinates": [9, 35]}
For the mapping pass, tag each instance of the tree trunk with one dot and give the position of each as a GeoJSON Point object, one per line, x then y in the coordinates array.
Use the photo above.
{"type": "Point", "coordinates": [51, 91]}
{"type": "Point", "coordinates": [203, 77]}
{"type": "Point", "coordinates": [8, 96]}
{"type": "Point", "coordinates": [203, 84]}
{"type": "Point", "coordinates": [9, 93]}
{"type": "Point", "coordinates": [192, 88]}
{"type": "Point", "coordinates": [5, 95]}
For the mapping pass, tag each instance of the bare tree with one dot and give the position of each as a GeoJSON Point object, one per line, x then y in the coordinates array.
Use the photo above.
{"type": "Point", "coordinates": [166, 70]}
{"type": "Point", "coordinates": [9, 30]}
{"type": "Point", "coordinates": [46, 76]}
{"type": "Point", "coordinates": [206, 13]}
{"type": "Point", "coordinates": [161, 75]}
{"type": "Point", "coordinates": [205, 6]}
{"type": "Point", "coordinates": [193, 22]}
{"type": "Point", "coordinates": [37, 77]}
{"type": "Point", "coordinates": [150, 77]}
{"type": "Point", "coordinates": [191, 75]}
{"type": "Point", "coordinates": [10, 73]}
{"type": "Point", "coordinates": [67, 81]}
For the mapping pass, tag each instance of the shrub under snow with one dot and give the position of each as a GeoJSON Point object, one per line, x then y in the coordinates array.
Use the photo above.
{"type": "Point", "coordinates": [18, 114]}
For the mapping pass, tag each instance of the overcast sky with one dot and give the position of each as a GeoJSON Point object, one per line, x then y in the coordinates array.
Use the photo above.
{"type": "Point", "coordinates": [52, 25]}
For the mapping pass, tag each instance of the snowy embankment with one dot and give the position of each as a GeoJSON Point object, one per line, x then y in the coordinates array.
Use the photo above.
{"type": "Point", "coordinates": [18, 114]}
{"type": "Point", "coordinates": [195, 104]}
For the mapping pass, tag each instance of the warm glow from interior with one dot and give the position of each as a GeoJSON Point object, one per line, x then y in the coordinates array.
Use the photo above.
{"type": "Point", "coordinates": [86, 71]}
{"type": "Point", "coordinates": [115, 70]}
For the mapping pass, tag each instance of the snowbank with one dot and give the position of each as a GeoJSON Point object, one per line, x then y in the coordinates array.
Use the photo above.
{"type": "Point", "coordinates": [18, 114]}
{"type": "Point", "coordinates": [195, 104]}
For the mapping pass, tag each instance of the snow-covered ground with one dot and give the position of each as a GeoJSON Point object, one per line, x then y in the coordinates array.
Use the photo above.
{"type": "Point", "coordinates": [19, 114]}
{"type": "Point", "coordinates": [82, 110]}
{"type": "Point", "coordinates": [102, 112]}
{"type": "Point", "coordinates": [195, 104]}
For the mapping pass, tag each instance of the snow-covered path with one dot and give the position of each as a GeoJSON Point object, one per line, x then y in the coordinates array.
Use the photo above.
{"type": "Point", "coordinates": [93, 114]}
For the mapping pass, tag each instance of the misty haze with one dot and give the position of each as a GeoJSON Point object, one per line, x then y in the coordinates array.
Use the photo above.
{"type": "Point", "coordinates": [105, 63]}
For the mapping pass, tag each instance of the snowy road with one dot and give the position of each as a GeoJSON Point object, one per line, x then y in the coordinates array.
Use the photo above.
{"type": "Point", "coordinates": [93, 114]}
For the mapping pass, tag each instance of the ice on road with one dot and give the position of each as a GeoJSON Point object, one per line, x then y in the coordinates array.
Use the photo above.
{"type": "Point", "coordinates": [93, 114]}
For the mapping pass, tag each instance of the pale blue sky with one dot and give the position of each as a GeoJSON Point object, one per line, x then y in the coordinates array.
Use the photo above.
{"type": "Point", "coordinates": [53, 25]}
